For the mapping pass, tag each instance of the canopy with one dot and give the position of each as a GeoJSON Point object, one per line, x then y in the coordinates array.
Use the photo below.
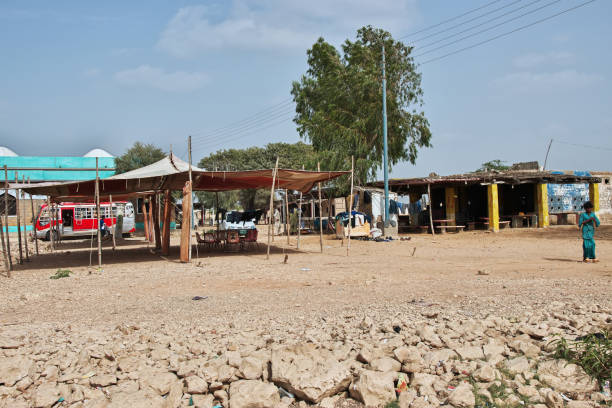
{"type": "Point", "coordinates": [171, 173]}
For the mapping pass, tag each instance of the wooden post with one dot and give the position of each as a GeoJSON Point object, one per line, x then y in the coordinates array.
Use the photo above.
{"type": "Point", "coordinates": [25, 223]}
{"type": "Point", "coordinates": [6, 203]}
{"type": "Point", "coordinates": [4, 247]}
{"type": "Point", "coordinates": [145, 218]}
{"type": "Point", "coordinates": [350, 209]}
{"type": "Point", "coordinates": [98, 216]}
{"type": "Point", "coordinates": [110, 199]}
{"type": "Point", "coordinates": [299, 226]}
{"type": "Point", "coordinates": [216, 211]}
{"type": "Point", "coordinates": [150, 218]}
{"type": "Point", "coordinates": [320, 212]}
{"type": "Point", "coordinates": [17, 212]}
{"type": "Point", "coordinates": [51, 232]}
{"type": "Point", "coordinates": [271, 206]}
{"type": "Point", "coordinates": [158, 244]}
{"type": "Point", "coordinates": [190, 198]}
{"type": "Point", "coordinates": [186, 224]}
{"type": "Point", "coordinates": [287, 226]}
{"type": "Point", "coordinates": [166, 226]}
{"type": "Point", "coordinates": [33, 221]}
{"type": "Point", "coordinates": [430, 210]}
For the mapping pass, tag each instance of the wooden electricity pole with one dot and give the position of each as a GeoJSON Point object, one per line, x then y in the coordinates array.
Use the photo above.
{"type": "Point", "coordinates": [6, 207]}
{"type": "Point", "coordinates": [350, 209]}
{"type": "Point", "coordinates": [98, 215]}
{"type": "Point", "coordinates": [320, 212]}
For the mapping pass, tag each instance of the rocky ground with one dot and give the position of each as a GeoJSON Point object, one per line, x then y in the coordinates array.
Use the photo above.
{"type": "Point", "coordinates": [468, 319]}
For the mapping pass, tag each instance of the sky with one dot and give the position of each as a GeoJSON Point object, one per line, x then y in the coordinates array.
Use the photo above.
{"type": "Point", "coordinates": [77, 75]}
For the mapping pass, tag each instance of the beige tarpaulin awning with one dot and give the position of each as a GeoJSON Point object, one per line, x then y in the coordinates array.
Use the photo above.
{"type": "Point", "coordinates": [171, 173]}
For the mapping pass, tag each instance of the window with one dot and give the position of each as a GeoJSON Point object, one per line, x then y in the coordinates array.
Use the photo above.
{"type": "Point", "coordinates": [12, 204]}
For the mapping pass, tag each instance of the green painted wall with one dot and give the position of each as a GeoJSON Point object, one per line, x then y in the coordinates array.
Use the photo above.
{"type": "Point", "coordinates": [104, 164]}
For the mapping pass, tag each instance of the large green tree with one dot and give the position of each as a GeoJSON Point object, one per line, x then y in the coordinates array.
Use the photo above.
{"type": "Point", "coordinates": [292, 156]}
{"type": "Point", "coordinates": [339, 103]}
{"type": "Point", "coordinates": [137, 156]}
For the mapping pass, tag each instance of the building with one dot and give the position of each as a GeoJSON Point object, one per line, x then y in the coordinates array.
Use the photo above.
{"type": "Point", "coordinates": [492, 199]}
{"type": "Point", "coordinates": [38, 169]}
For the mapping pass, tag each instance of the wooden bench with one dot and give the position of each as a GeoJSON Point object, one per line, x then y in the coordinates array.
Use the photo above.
{"type": "Point", "coordinates": [504, 224]}
{"type": "Point", "coordinates": [456, 228]}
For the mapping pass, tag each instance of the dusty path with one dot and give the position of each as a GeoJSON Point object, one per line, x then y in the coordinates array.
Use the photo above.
{"type": "Point", "coordinates": [522, 269]}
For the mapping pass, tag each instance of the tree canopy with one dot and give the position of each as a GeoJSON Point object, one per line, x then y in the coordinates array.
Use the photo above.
{"type": "Point", "coordinates": [137, 156]}
{"type": "Point", "coordinates": [292, 156]}
{"type": "Point", "coordinates": [339, 103]}
{"type": "Point", "coordinates": [497, 165]}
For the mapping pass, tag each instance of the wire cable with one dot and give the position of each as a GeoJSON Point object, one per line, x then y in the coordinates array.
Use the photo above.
{"type": "Point", "coordinates": [477, 25]}
{"type": "Point", "coordinates": [466, 21]}
{"type": "Point", "coordinates": [507, 33]}
{"type": "Point", "coordinates": [450, 19]}
{"type": "Point", "coordinates": [486, 29]}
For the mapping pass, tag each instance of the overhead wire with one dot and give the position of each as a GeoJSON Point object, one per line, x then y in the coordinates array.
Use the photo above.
{"type": "Point", "coordinates": [479, 24]}
{"type": "Point", "coordinates": [488, 40]}
{"type": "Point", "coordinates": [451, 19]}
{"type": "Point", "coordinates": [485, 30]}
{"type": "Point", "coordinates": [464, 22]}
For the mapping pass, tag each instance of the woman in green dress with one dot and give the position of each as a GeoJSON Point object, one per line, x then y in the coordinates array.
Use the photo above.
{"type": "Point", "coordinates": [588, 222]}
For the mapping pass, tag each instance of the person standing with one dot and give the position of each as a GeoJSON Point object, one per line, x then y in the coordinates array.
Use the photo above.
{"type": "Point", "coordinates": [587, 224]}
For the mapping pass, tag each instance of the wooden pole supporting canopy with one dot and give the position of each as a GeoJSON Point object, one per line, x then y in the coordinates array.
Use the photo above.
{"type": "Point", "coordinates": [320, 212]}
{"type": "Point", "coordinates": [430, 209]}
{"type": "Point", "coordinates": [98, 215]}
{"type": "Point", "coordinates": [156, 223]}
{"type": "Point", "coordinates": [186, 223]}
{"type": "Point", "coordinates": [271, 207]}
{"type": "Point", "coordinates": [17, 212]}
{"type": "Point", "coordinates": [350, 209]}
{"type": "Point", "coordinates": [166, 225]}
{"type": "Point", "coordinates": [33, 221]}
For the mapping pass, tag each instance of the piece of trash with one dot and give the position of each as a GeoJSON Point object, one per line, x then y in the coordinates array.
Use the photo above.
{"type": "Point", "coordinates": [191, 401]}
{"type": "Point", "coordinates": [286, 258]}
{"type": "Point", "coordinates": [397, 329]}
{"type": "Point", "coordinates": [284, 393]}
{"type": "Point", "coordinates": [61, 399]}
{"type": "Point", "coordinates": [450, 388]}
{"type": "Point", "coordinates": [565, 397]}
{"type": "Point", "coordinates": [199, 298]}
{"type": "Point", "coordinates": [88, 375]}
{"type": "Point", "coordinates": [482, 272]}
{"type": "Point", "coordinates": [218, 406]}
{"type": "Point", "coordinates": [598, 336]}
{"type": "Point", "coordinates": [402, 383]}
{"type": "Point", "coordinates": [305, 269]}
{"type": "Point", "coordinates": [405, 238]}
{"type": "Point", "coordinates": [413, 251]}
{"type": "Point", "coordinates": [606, 388]}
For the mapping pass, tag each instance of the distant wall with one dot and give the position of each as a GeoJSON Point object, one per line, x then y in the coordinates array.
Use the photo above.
{"type": "Point", "coordinates": [605, 197]}
{"type": "Point", "coordinates": [567, 198]}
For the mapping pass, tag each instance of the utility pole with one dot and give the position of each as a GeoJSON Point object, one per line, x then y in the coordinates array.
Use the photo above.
{"type": "Point", "coordinates": [547, 151]}
{"type": "Point", "coordinates": [385, 158]}
{"type": "Point", "coordinates": [190, 226]}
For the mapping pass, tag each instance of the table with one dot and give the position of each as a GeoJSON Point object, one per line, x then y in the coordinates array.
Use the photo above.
{"type": "Point", "coordinates": [518, 220]}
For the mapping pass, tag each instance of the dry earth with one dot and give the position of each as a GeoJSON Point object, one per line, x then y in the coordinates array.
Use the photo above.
{"type": "Point", "coordinates": [328, 328]}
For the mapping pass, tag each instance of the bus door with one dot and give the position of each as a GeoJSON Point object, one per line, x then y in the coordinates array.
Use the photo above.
{"type": "Point", "coordinates": [67, 227]}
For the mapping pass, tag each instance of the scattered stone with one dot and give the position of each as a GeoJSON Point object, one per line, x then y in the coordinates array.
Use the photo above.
{"type": "Point", "coordinates": [373, 388]}
{"type": "Point", "coordinates": [462, 396]}
{"type": "Point", "coordinates": [253, 394]}
{"type": "Point", "coordinates": [13, 369]}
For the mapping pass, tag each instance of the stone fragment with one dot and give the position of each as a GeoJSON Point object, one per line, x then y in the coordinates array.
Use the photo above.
{"type": "Point", "coordinates": [486, 373]}
{"type": "Point", "coordinates": [462, 396]}
{"type": "Point", "coordinates": [46, 395]}
{"type": "Point", "coordinates": [250, 368]}
{"type": "Point", "coordinates": [160, 382]}
{"type": "Point", "coordinates": [102, 380]}
{"type": "Point", "coordinates": [373, 388]}
{"type": "Point", "coordinates": [470, 353]}
{"type": "Point", "coordinates": [385, 364]}
{"type": "Point", "coordinates": [253, 394]}
{"type": "Point", "coordinates": [13, 369]}
{"type": "Point", "coordinates": [309, 373]}
{"type": "Point", "coordinates": [196, 385]}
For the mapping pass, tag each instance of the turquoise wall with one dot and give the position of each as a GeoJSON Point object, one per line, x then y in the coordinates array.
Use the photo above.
{"type": "Point", "coordinates": [56, 163]}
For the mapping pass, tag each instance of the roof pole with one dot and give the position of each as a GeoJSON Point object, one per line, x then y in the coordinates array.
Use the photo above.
{"type": "Point", "coordinates": [271, 219]}
{"type": "Point", "coordinates": [33, 221]}
{"type": "Point", "coordinates": [191, 193]}
{"type": "Point", "coordinates": [385, 157]}
{"type": "Point", "coordinates": [98, 216]}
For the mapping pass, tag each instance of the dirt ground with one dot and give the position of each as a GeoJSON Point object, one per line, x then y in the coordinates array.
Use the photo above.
{"type": "Point", "coordinates": [519, 269]}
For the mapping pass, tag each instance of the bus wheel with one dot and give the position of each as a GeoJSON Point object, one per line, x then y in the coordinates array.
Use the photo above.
{"type": "Point", "coordinates": [48, 236]}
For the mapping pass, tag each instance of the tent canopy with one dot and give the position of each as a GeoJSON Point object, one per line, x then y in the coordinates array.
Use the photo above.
{"type": "Point", "coordinates": [171, 173]}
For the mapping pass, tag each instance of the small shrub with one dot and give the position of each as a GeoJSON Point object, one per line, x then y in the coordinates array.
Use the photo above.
{"type": "Point", "coordinates": [592, 352]}
{"type": "Point", "coordinates": [61, 273]}
{"type": "Point", "coordinates": [392, 404]}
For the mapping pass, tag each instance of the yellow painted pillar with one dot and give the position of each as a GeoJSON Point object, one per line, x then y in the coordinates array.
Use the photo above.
{"type": "Point", "coordinates": [594, 195]}
{"type": "Point", "coordinates": [492, 198]}
{"type": "Point", "coordinates": [542, 204]}
{"type": "Point", "coordinates": [449, 199]}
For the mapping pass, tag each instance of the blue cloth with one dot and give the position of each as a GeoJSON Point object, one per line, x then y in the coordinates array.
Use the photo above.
{"type": "Point", "coordinates": [588, 249]}
{"type": "Point", "coordinates": [588, 229]}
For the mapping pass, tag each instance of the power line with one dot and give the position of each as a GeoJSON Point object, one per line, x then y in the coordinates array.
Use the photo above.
{"type": "Point", "coordinates": [466, 21]}
{"type": "Point", "coordinates": [485, 30]}
{"type": "Point", "coordinates": [267, 110]}
{"type": "Point", "coordinates": [507, 33]}
{"type": "Point", "coordinates": [584, 145]}
{"type": "Point", "coordinates": [479, 25]}
{"type": "Point", "coordinates": [245, 128]}
{"type": "Point", "coordinates": [451, 19]}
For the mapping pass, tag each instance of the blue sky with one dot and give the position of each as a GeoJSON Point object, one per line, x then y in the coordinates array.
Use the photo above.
{"type": "Point", "coordinates": [76, 75]}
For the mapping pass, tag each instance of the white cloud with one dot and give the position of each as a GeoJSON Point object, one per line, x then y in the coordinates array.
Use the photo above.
{"type": "Point", "coordinates": [525, 81]}
{"type": "Point", "coordinates": [537, 59]}
{"type": "Point", "coordinates": [280, 24]}
{"type": "Point", "coordinates": [148, 76]}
